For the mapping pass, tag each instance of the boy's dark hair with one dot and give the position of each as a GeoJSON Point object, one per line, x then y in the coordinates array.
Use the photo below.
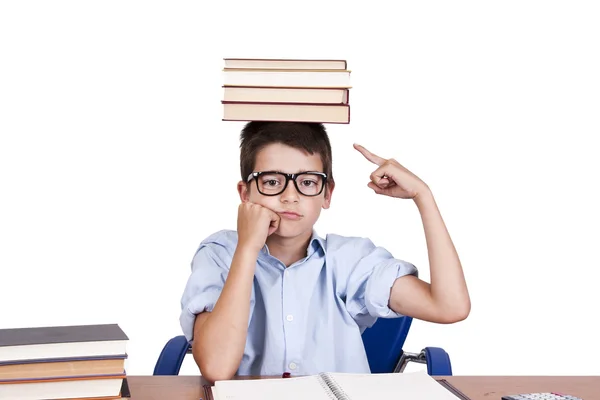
{"type": "Point", "coordinates": [310, 137]}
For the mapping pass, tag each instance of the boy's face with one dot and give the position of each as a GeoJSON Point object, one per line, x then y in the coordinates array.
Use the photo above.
{"type": "Point", "coordinates": [282, 158]}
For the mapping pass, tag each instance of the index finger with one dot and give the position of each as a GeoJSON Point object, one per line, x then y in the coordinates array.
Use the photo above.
{"type": "Point", "coordinates": [369, 156]}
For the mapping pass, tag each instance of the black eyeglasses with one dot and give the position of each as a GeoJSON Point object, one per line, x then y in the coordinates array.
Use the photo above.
{"type": "Point", "coordinates": [272, 183]}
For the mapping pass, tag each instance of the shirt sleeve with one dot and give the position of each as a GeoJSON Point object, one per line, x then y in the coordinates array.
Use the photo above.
{"type": "Point", "coordinates": [209, 272]}
{"type": "Point", "coordinates": [371, 277]}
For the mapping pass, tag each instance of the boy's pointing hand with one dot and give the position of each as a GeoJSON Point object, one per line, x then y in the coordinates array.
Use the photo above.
{"type": "Point", "coordinates": [391, 178]}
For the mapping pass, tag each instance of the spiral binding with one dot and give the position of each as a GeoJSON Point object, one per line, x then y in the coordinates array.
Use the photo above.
{"type": "Point", "coordinates": [334, 391]}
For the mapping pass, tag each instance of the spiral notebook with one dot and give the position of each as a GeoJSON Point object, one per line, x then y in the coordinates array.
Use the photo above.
{"type": "Point", "coordinates": [337, 386]}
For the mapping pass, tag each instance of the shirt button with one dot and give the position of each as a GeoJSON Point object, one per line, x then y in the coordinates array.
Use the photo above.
{"type": "Point", "coordinates": [292, 365]}
{"type": "Point", "coordinates": [290, 317]}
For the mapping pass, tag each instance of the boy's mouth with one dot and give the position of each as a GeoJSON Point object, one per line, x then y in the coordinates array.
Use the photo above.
{"type": "Point", "coordinates": [290, 215]}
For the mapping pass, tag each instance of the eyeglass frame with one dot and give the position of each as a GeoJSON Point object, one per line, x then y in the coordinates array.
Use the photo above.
{"type": "Point", "coordinates": [288, 177]}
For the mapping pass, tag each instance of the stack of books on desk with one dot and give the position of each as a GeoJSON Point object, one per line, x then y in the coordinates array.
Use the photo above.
{"type": "Point", "coordinates": [63, 362]}
{"type": "Point", "coordinates": [286, 90]}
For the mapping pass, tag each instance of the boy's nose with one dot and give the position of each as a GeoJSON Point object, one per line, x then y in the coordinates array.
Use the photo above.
{"type": "Point", "coordinates": [290, 194]}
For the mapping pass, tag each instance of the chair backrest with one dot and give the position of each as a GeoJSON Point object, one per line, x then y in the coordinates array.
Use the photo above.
{"type": "Point", "coordinates": [384, 342]}
{"type": "Point", "coordinates": [171, 357]}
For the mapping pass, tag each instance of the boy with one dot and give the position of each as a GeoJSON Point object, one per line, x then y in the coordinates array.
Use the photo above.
{"type": "Point", "coordinates": [273, 296]}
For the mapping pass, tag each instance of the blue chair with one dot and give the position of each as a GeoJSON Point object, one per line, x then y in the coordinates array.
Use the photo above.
{"type": "Point", "coordinates": [383, 343]}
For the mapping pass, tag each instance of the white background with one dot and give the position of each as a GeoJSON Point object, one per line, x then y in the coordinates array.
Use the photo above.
{"type": "Point", "coordinates": [115, 164]}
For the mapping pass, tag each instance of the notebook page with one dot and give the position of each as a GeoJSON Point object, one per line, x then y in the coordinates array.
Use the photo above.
{"type": "Point", "coordinates": [393, 386]}
{"type": "Point", "coordinates": [299, 388]}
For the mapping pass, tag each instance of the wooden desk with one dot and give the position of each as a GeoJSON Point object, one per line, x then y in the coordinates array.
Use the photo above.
{"type": "Point", "coordinates": [476, 387]}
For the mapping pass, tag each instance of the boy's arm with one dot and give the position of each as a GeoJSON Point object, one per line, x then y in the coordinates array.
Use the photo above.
{"type": "Point", "coordinates": [220, 336]}
{"type": "Point", "coordinates": [446, 299]}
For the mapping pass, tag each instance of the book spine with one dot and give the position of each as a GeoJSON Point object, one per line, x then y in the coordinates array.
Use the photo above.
{"type": "Point", "coordinates": [334, 391]}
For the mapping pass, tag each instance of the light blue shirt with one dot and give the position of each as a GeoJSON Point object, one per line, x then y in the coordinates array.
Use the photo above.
{"type": "Point", "coordinates": [307, 318]}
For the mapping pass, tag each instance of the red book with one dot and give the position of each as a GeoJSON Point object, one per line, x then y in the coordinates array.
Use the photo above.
{"type": "Point", "coordinates": [288, 112]}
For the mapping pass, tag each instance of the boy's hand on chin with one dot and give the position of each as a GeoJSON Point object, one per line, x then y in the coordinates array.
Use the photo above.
{"type": "Point", "coordinates": [391, 178]}
{"type": "Point", "coordinates": [254, 224]}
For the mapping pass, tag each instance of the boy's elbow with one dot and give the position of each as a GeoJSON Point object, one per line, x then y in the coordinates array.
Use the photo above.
{"type": "Point", "coordinates": [214, 369]}
{"type": "Point", "coordinates": [456, 314]}
{"type": "Point", "coordinates": [465, 309]}
{"type": "Point", "coordinates": [216, 374]}
{"type": "Point", "coordinates": [459, 316]}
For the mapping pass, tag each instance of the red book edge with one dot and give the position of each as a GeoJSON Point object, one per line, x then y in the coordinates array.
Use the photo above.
{"type": "Point", "coordinates": [292, 87]}
{"type": "Point", "coordinates": [288, 87]}
{"type": "Point", "coordinates": [347, 106]}
{"type": "Point", "coordinates": [284, 120]}
{"type": "Point", "coordinates": [286, 104]}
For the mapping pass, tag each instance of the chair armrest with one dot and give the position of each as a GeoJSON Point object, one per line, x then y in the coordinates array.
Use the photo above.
{"type": "Point", "coordinates": [437, 360]}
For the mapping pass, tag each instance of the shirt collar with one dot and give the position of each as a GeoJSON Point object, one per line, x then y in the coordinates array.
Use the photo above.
{"type": "Point", "coordinates": [313, 245]}
{"type": "Point", "coordinates": [315, 242]}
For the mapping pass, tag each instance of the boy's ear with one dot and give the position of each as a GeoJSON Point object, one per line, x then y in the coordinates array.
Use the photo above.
{"type": "Point", "coordinates": [328, 192]}
{"type": "Point", "coordinates": [242, 188]}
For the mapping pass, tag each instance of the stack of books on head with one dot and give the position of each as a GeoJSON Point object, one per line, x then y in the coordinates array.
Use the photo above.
{"type": "Point", "coordinates": [63, 362]}
{"type": "Point", "coordinates": [286, 90]}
